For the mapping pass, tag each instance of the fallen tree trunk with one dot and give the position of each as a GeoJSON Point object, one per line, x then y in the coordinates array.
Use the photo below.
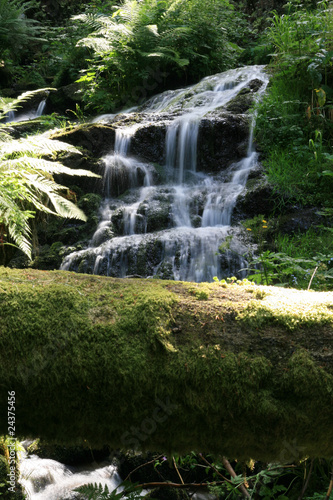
{"type": "Point", "coordinates": [238, 370]}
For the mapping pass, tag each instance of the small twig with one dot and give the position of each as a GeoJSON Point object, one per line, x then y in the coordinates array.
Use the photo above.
{"type": "Point", "coordinates": [140, 466]}
{"type": "Point", "coordinates": [330, 488]}
{"type": "Point", "coordinates": [175, 466]}
{"type": "Point", "coordinates": [176, 485]}
{"type": "Point", "coordinates": [214, 469]}
{"type": "Point", "coordinates": [306, 482]}
{"type": "Point", "coordinates": [314, 272]}
{"type": "Point", "coordinates": [232, 473]}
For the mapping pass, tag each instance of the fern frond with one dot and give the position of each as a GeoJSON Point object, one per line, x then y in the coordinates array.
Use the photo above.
{"type": "Point", "coordinates": [97, 492]}
{"type": "Point", "coordinates": [21, 236]}
{"type": "Point", "coordinates": [26, 181]}
{"type": "Point", "coordinates": [16, 220]}
{"type": "Point", "coordinates": [153, 29]}
{"type": "Point", "coordinates": [37, 145]}
{"type": "Point", "coordinates": [46, 166]}
{"type": "Point", "coordinates": [35, 189]}
{"type": "Point", "coordinates": [98, 44]}
{"type": "Point", "coordinates": [14, 104]}
{"type": "Point", "coordinates": [65, 208]}
{"type": "Point", "coordinates": [37, 186]}
{"type": "Point", "coordinates": [94, 491]}
{"type": "Point", "coordinates": [92, 21]}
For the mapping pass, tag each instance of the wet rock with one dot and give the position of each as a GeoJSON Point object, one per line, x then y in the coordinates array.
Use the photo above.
{"type": "Point", "coordinates": [156, 216]}
{"type": "Point", "coordinates": [117, 220]}
{"type": "Point", "coordinates": [222, 138]}
{"type": "Point", "coordinates": [256, 199]}
{"type": "Point", "coordinates": [148, 142]}
{"type": "Point", "coordinates": [218, 140]}
{"type": "Point", "coordinates": [300, 220]}
{"type": "Point", "coordinates": [96, 138]}
{"type": "Point", "coordinates": [246, 97]}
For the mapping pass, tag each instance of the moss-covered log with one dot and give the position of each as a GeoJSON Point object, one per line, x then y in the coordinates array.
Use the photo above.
{"type": "Point", "coordinates": [241, 370]}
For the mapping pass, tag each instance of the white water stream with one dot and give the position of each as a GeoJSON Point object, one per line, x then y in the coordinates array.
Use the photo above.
{"type": "Point", "coordinates": [45, 479]}
{"type": "Point", "coordinates": [199, 205]}
{"type": "Point", "coordinates": [13, 116]}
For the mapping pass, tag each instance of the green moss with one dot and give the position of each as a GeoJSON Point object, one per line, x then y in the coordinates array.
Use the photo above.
{"type": "Point", "coordinates": [144, 364]}
{"type": "Point", "coordinates": [4, 469]}
{"type": "Point", "coordinates": [285, 308]}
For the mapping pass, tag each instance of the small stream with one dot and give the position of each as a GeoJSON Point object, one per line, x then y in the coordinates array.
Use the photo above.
{"type": "Point", "coordinates": [45, 479]}
{"type": "Point", "coordinates": [14, 116]}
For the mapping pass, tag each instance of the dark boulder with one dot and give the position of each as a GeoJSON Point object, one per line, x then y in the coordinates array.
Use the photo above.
{"type": "Point", "coordinates": [221, 141]}
{"type": "Point", "coordinates": [97, 139]}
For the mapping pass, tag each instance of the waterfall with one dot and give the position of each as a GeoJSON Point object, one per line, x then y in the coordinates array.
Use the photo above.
{"type": "Point", "coordinates": [174, 228]}
{"type": "Point", "coordinates": [13, 116]}
{"type": "Point", "coordinates": [121, 171]}
{"type": "Point", "coordinates": [45, 479]}
{"type": "Point", "coordinates": [10, 116]}
{"type": "Point", "coordinates": [41, 108]}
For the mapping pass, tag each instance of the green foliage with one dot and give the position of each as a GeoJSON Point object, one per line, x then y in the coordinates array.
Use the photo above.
{"type": "Point", "coordinates": [294, 126]}
{"type": "Point", "coordinates": [264, 483]}
{"type": "Point", "coordinates": [59, 58]}
{"type": "Point", "coordinates": [16, 29]}
{"type": "Point", "coordinates": [279, 268]}
{"type": "Point", "coordinates": [275, 481]}
{"type": "Point", "coordinates": [9, 464]}
{"type": "Point", "coordinates": [291, 260]}
{"type": "Point", "coordinates": [27, 185]}
{"type": "Point", "coordinates": [138, 46]}
{"type": "Point", "coordinates": [97, 492]}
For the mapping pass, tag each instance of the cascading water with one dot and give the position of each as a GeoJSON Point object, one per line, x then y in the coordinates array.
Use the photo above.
{"type": "Point", "coordinates": [12, 116]}
{"type": "Point", "coordinates": [44, 479]}
{"type": "Point", "coordinates": [172, 229]}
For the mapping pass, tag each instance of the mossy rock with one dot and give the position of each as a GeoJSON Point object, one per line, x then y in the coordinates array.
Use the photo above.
{"type": "Point", "coordinates": [28, 127]}
{"type": "Point", "coordinates": [96, 138]}
{"type": "Point", "coordinates": [155, 215]}
{"type": "Point", "coordinates": [145, 364]}
{"type": "Point", "coordinates": [49, 257]}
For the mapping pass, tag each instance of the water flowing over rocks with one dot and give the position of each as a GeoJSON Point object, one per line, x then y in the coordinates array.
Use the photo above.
{"type": "Point", "coordinates": [173, 170]}
{"type": "Point", "coordinates": [46, 479]}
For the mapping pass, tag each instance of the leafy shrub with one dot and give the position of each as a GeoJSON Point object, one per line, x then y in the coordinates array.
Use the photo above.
{"type": "Point", "coordinates": [295, 119]}
{"type": "Point", "coordinates": [142, 45]}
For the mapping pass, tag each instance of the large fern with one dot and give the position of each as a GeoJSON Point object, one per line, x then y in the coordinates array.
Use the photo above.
{"type": "Point", "coordinates": [27, 186]}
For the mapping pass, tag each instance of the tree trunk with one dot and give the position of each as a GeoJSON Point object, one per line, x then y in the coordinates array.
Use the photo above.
{"type": "Point", "coordinates": [239, 370]}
